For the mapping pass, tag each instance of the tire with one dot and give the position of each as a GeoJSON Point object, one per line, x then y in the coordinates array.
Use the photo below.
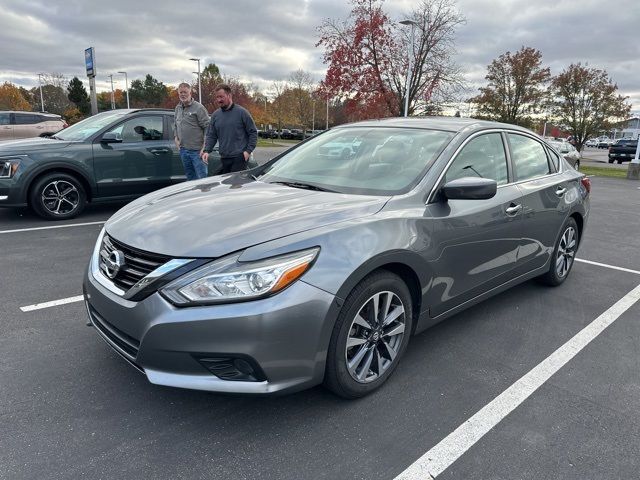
{"type": "Point", "coordinates": [563, 254]}
{"type": "Point", "coordinates": [58, 196]}
{"type": "Point", "coordinates": [611, 160]}
{"type": "Point", "coordinates": [376, 346]}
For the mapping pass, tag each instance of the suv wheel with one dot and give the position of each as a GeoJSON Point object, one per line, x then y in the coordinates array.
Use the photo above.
{"type": "Point", "coordinates": [58, 196]}
{"type": "Point", "coordinates": [370, 336]}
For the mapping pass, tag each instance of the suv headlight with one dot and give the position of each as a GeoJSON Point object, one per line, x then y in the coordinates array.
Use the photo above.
{"type": "Point", "coordinates": [8, 168]}
{"type": "Point", "coordinates": [227, 280]}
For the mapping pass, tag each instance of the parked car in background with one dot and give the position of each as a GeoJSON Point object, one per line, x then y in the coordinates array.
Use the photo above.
{"type": "Point", "coordinates": [605, 142]}
{"type": "Point", "coordinates": [592, 142]}
{"type": "Point", "coordinates": [296, 134]}
{"type": "Point", "coordinates": [624, 150]}
{"type": "Point", "coordinates": [568, 151]}
{"type": "Point", "coordinates": [114, 155]}
{"type": "Point", "coordinates": [309, 269]}
{"type": "Point", "coordinates": [16, 125]}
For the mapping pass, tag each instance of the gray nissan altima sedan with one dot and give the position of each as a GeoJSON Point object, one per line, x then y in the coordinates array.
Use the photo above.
{"type": "Point", "coordinates": [318, 266]}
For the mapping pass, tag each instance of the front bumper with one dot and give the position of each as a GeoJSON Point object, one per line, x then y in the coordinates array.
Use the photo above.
{"type": "Point", "coordinates": [11, 195]}
{"type": "Point", "coordinates": [285, 336]}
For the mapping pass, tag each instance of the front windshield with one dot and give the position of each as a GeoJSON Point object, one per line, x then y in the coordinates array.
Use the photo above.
{"type": "Point", "coordinates": [361, 160]}
{"type": "Point", "coordinates": [87, 127]}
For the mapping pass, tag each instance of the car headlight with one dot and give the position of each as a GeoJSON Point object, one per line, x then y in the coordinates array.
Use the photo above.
{"type": "Point", "coordinates": [8, 168]}
{"type": "Point", "coordinates": [227, 280]}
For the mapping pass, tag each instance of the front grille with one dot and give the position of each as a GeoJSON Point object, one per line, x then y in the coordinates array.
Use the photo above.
{"type": "Point", "coordinates": [124, 344]}
{"type": "Point", "coordinates": [137, 263]}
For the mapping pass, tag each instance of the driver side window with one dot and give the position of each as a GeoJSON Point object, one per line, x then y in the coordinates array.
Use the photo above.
{"type": "Point", "coordinates": [482, 157]}
{"type": "Point", "coordinates": [140, 129]}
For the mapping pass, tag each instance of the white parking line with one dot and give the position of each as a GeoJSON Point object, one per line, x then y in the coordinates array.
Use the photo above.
{"type": "Point", "coordinates": [52, 227]}
{"type": "Point", "coordinates": [637, 272]}
{"type": "Point", "coordinates": [53, 303]}
{"type": "Point", "coordinates": [452, 447]}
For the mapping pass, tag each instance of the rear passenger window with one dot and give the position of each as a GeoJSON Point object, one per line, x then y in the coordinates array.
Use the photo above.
{"type": "Point", "coordinates": [4, 118]}
{"type": "Point", "coordinates": [482, 157]}
{"type": "Point", "coordinates": [528, 156]}
{"type": "Point", "coordinates": [26, 119]}
{"type": "Point", "coordinates": [555, 160]}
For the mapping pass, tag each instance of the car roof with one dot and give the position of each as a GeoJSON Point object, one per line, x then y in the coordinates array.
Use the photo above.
{"type": "Point", "coordinates": [136, 110]}
{"type": "Point", "coordinates": [451, 124]}
{"type": "Point", "coordinates": [46, 114]}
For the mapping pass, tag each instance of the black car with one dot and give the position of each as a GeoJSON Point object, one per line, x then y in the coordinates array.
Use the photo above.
{"type": "Point", "coordinates": [114, 155]}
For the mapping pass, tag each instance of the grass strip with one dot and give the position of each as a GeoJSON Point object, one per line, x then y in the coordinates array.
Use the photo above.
{"type": "Point", "coordinates": [603, 172]}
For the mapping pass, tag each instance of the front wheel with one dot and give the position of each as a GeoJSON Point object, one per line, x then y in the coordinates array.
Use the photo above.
{"type": "Point", "coordinates": [563, 255]}
{"type": "Point", "coordinates": [58, 196]}
{"type": "Point", "coordinates": [370, 336]}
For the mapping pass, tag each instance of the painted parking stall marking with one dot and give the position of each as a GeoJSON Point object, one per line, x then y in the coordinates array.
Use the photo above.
{"type": "Point", "coordinates": [53, 303]}
{"type": "Point", "coordinates": [598, 264]}
{"type": "Point", "coordinates": [452, 447]}
{"type": "Point", "coordinates": [31, 229]}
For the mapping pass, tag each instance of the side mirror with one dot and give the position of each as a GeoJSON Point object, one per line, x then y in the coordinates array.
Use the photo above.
{"type": "Point", "coordinates": [111, 137]}
{"type": "Point", "coordinates": [470, 188]}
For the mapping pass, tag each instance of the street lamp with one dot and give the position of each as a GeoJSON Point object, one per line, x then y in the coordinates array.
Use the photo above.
{"type": "Point", "coordinates": [126, 85]}
{"type": "Point", "coordinates": [199, 86]}
{"type": "Point", "coordinates": [113, 100]}
{"type": "Point", "coordinates": [410, 53]}
{"type": "Point", "coordinates": [40, 84]}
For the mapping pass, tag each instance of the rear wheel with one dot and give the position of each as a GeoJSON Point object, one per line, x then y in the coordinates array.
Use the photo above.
{"type": "Point", "coordinates": [58, 196]}
{"type": "Point", "coordinates": [370, 335]}
{"type": "Point", "coordinates": [563, 255]}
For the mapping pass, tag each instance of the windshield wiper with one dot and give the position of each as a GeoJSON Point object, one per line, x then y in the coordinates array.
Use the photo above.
{"type": "Point", "coordinates": [306, 186]}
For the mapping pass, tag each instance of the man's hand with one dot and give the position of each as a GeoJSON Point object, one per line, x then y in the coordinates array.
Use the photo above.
{"type": "Point", "coordinates": [177, 142]}
{"type": "Point", "coordinates": [205, 157]}
{"type": "Point", "coordinates": [246, 156]}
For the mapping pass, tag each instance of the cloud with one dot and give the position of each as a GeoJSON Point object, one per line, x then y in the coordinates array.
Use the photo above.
{"type": "Point", "coordinates": [262, 42]}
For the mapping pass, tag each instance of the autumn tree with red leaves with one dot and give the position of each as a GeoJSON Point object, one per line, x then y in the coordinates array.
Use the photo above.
{"type": "Point", "coordinates": [585, 100]}
{"type": "Point", "coordinates": [367, 58]}
{"type": "Point", "coordinates": [516, 89]}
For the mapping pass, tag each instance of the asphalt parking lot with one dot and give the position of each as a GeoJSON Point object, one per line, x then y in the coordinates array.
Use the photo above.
{"type": "Point", "coordinates": [480, 396]}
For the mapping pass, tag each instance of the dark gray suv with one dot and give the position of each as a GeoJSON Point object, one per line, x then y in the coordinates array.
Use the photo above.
{"type": "Point", "coordinates": [318, 266]}
{"type": "Point", "coordinates": [115, 155]}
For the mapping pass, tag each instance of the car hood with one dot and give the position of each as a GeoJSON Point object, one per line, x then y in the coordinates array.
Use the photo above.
{"type": "Point", "coordinates": [214, 217]}
{"type": "Point", "coordinates": [28, 145]}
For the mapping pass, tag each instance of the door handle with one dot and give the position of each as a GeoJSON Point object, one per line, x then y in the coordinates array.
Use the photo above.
{"type": "Point", "coordinates": [158, 151]}
{"type": "Point", "coordinates": [561, 191]}
{"type": "Point", "coordinates": [513, 210]}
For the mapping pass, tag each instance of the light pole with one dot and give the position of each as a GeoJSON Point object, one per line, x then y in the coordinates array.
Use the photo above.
{"type": "Point", "coordinates": [326, 126]}
{"type": "Point", "coordinates": [199, 86]}
{"type": "Point", "coordinates": [126, 86]}
{"type": "Point", "coordinates": [410, 54]}
{"type": "Point", "coordinates": [40, 84]}
{"type": "Point", "coordinates": [113, 100]}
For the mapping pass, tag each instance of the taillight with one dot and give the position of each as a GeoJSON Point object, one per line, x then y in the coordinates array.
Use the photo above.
{"type": "Point", "coordinates": [586, 183]}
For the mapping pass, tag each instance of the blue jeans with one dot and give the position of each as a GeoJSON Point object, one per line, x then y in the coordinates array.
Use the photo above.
{"type": "Point", "coordinates": [194, 167]}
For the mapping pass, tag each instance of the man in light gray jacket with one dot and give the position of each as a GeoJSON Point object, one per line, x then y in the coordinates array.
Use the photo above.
{"type": "Point", "coordinates": [191, 122]}
{"type": "Point", "coordinates": [234, 129]}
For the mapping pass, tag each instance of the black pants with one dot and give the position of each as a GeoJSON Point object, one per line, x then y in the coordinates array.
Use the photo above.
{"type": "Point", "coordinates": [233, 164]}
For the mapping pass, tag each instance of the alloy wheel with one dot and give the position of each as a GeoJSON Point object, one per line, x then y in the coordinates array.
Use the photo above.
{"type": "Point", "coordinates": [60, 197]}
{"type": "Point", "coordinates": [566, 252]}
{"type": "Point", "coordinates": [375, 337]}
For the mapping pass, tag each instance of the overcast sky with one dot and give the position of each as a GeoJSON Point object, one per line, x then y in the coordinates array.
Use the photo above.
{"type": "Point", "coordinates": [262, 41]}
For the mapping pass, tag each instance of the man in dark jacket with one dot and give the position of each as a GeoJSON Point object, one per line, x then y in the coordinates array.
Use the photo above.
{"type": "Point", "coordinates": [235, 131]}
